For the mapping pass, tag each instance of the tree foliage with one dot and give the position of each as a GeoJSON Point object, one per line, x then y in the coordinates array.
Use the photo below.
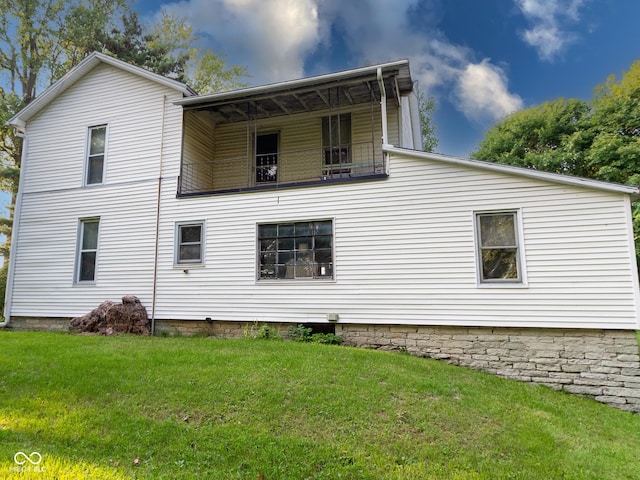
{"type": "Point", "coordinates": [40, 40]}
{"type": "Point", "coordinates": [426, 106]}
{"type": "Point", "coordinates": [597, 139]}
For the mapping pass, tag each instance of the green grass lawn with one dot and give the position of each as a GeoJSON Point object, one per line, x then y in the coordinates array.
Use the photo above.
{"type": "Point", "coordinates": [127, 407]}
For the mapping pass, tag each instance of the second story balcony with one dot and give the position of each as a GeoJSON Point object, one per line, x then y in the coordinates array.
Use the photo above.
{"type": "Point", "coordinates": [314, 131]}
{"type": "Point", "coordinates": [359, 161]}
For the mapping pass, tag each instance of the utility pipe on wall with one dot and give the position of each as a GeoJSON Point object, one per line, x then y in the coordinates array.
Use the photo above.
{"type": "Point", "coordinates": [155, 257]}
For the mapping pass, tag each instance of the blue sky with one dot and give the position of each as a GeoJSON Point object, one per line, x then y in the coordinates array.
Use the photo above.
{"type": "Point", "coordinates": [479, 59]}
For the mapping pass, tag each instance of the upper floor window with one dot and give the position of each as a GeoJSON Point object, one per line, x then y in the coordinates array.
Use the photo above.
{"type": "Point", "coordinates": [189, 243]}
{"type": "Point", "coordinates": [336, 142]}
{"type": "Point", "coordinates": [96, 150]}
{"type": "Point", "coordinates": [267, 158]}
{"type": "Point", "coordinates": [87, 250]}
{"type": "Point", "coordinates": [499, 249]}
{"type": "Point", "coordinates": [301, 250]}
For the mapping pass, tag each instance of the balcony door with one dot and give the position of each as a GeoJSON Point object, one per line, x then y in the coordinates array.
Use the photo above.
{"type": "Point", "coordinates": [267, 158]}
{"type": "Point", "coordinates": [336, 142]}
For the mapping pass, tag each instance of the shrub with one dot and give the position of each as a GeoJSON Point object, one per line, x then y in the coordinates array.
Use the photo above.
{"type": "Point", "coordinates": [305, 334]}
{"type": "Point", "coordinates": [300, 333]}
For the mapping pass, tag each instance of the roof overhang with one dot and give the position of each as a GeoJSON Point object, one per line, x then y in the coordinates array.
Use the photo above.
{"type": "Point", "coordinates": [85, 66]}
{"type": "Point", "coordinates": [322, 92]}
{"type": "Point", "coordinates": [519, 171]}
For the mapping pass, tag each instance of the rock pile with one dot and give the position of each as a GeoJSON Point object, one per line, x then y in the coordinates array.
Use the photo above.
{"type": "Point", "coordinates": [109, 317]}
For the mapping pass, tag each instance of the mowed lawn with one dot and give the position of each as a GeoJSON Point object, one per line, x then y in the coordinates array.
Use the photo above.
{"type": "Point", "coordinates": [126, 407]}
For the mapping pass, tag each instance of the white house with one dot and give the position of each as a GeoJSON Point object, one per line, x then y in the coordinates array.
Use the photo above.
{"type": "Point", "coordinates": [308, 201]}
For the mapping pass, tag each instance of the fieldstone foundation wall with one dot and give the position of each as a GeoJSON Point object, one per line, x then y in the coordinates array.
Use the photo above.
{"type": "Point", "coordinates": [216, 328]}
{"type": "Point", "coordinates": [603, 364]}
{"type": "Point", "coordinates": [39, 324]}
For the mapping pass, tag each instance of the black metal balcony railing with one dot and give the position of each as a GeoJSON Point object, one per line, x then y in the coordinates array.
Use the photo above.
{"type": "Point", "coordinates": [276, 170]}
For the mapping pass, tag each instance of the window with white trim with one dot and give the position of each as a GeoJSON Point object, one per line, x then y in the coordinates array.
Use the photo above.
{"type": "Point", "coordinates": [87, 250]}
{"type": "Point", "coordinates": [189, 243]}
{"type": "Point", "coordinates": [498, 247]}
{"type": "Point", "coordinates": [300, 250]}
{"type": "Point", "coordinates": [96, 153]}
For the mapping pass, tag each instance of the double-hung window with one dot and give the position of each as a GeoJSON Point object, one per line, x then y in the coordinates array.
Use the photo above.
{"type": "Point", "coordinates": [498, 248]}
{"type": "Point", "coordinates": [87, 250]}
{"type": "Point", "coordinates": [96, 153]}
{"type": "Point", "coordinates": [189, 243]}
{"type": "Point", "coordinates": [300, 250]}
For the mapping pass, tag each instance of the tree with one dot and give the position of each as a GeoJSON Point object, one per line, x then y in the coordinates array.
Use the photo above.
{"type": "Point", "coordinates": [426, 107]}
{"type": "Point", "coordinates": [597, 139]}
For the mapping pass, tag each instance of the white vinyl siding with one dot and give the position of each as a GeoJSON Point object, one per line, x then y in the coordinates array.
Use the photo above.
{"type": "Point", "coordinates": [405, 253]}
{"type": "Point", "coordinates": [53, 197]}
{"type": "Point", "coordinates": [404, 247]}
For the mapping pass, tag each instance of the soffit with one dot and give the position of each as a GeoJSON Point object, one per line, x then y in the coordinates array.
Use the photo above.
{"type": "Point", "coordinates": [330, 92]}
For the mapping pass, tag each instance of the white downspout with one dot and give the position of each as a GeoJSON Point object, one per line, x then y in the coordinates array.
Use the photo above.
{"type": "Point", "coordinates": [159, 201]}
{"type": "Point", "coordinates": [383, 108]}
{"type": "Point", "coordinates": [8, 300]}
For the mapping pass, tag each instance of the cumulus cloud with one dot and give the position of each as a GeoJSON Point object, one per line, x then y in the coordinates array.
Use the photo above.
{"type": "Point", "coordinates": [548, 18]}
{"type": "Point", "coordinates": [482, 92]}
{"type": "Point", "coordinates": [274, 38]}
{"type": "Point", "coordinates": [271, 37]}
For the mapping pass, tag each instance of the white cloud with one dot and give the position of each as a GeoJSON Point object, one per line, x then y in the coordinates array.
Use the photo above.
{"type": "Point", "coordinates": [482, 92]}
{"type": "Point", "coordinates": [272, 38]}
{"type": "Point", "coordinates": [548, 19]}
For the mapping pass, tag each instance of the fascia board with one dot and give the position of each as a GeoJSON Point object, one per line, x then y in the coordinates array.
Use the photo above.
{"type": "Point", "coordinates": [72, 76]}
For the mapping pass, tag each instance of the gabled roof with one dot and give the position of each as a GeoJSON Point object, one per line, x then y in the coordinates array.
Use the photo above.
{"type": "Point", "coordinates": [519, 171]}
{"type": "Point", "coordinates": [320, 92]}
{"type": "Point", "coordinates": [79, 71]}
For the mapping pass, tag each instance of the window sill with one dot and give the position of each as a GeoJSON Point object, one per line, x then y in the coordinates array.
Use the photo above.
{"type": "Point", "coordinates": [295, 281]}
{"type": "Point", "coordinates": [503, 285]}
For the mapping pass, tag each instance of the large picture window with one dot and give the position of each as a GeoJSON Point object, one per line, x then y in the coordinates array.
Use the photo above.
{"type": "Point", "coordinates": [190, 243]}
{"type": "Point", "coordinates": [301, 250]}
{"type": "Point", "coordinates": [87, 250]}
{"type": "Point", "coordinates": [498, 248]}
{"type": "Point", "coordinates": [96, 151]}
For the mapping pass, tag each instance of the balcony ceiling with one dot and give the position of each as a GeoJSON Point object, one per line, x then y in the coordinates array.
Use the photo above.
{"type": "Point", "coordinates": [326, 92]}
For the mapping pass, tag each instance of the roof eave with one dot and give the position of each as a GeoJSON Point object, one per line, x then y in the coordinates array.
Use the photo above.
{"type": "Point", "coordinates": [519, 171]}
{"type": "Point", "coordinates": [20, 119]}
{"type": "Point", "coordinates": [292, 84]}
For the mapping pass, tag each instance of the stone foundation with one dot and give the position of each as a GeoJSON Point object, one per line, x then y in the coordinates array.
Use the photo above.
{"type": "Point", "coordinates": [216, 328]}
{"type": "Point", "coordinates": [39, 324]}
{"type": "Point", "coordinates": [602, 364]}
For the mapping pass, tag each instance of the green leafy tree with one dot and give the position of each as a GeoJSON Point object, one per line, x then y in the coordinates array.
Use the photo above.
{"type": "Point", "coordinates": [426, 107]}
{"type": "Point", "coordinates": [597, 139]}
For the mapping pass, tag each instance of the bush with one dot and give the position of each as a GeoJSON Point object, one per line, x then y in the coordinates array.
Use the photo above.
{"type": "Point", "coordinates": [304, 334]}
{"type": "Point", "coordinates": [260, 331]}
{"type": "Point", "coordinates": [300, 333]}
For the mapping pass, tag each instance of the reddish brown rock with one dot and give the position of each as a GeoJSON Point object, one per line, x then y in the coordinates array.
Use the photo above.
{"type": "Point", "coordinates": [109, 317]}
